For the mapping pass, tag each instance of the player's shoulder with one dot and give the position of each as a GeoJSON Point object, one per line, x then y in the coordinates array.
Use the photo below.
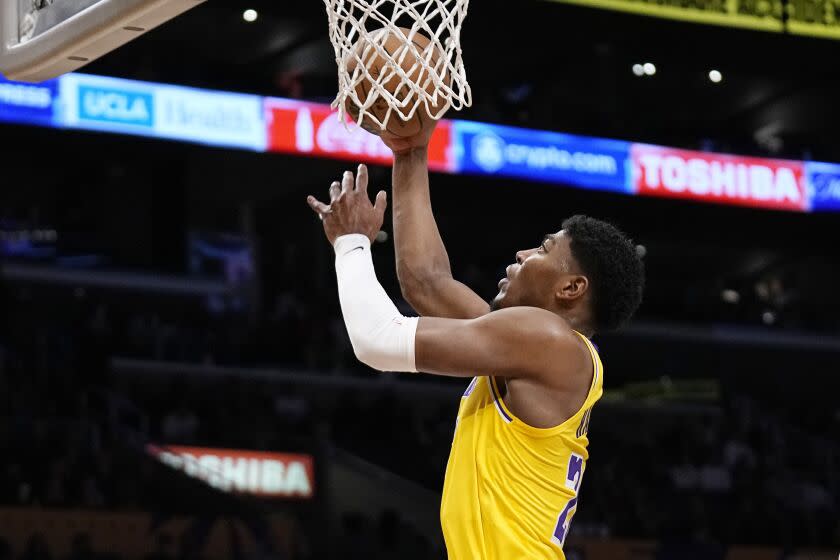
{"type": "Point", "coordinates": [541, 323]}
{"type": "Point", "coordinates": [555, 346]}
{"type": "Point", "coordinates": [526, 316]}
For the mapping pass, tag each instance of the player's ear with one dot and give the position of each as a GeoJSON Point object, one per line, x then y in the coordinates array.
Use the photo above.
{"type": "Point", "coordinates": [571, 287]}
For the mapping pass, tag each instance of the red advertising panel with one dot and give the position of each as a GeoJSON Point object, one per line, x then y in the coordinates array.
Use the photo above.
{"type": "Point", "coordinates": [297, 127]}
{"type": "Point", "coordinates": [276, 475]}
{"type": "Point", "coordinates": [720, 178]}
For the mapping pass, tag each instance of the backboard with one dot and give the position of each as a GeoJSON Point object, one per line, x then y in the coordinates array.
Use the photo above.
{"type": "Point", "coordinates": [42, 39]}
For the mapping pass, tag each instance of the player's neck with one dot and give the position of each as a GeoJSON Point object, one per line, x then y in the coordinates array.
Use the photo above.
{"type": "Point", "coordinates": [576, 322]}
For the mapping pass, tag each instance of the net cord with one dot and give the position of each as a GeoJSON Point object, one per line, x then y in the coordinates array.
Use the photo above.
{"type": "Point", "coordinates": [436, 81]}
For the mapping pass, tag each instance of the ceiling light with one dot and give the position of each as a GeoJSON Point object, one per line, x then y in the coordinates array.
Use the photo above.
{"type": "Point", "coordinates": [638, 70]}
{"type": "Point", "coordinates": [730, 296]}
{"type": "Point", "coordinates": [641, 251]}
{"type": "Point", "coordinates": [715, 76]}
{"type": "Point", "coordinates": [250, 15]}
{"type": "Point", "coordinates": [649, 69]}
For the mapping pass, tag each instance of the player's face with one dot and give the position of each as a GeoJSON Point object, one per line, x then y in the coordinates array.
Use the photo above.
{"type": "Point", "coordinates": [532, 278]}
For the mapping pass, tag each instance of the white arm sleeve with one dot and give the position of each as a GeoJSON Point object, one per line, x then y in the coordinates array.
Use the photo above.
{"type": "Point", "coordinates": [381, 336]}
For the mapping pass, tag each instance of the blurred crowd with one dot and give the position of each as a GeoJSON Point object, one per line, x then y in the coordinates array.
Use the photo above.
{"type": "Point", "coordinates": [740, 474]}
{"type": "Point", "coordinates": [735, 471]}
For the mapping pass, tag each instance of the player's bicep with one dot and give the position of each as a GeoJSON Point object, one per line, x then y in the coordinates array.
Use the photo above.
{"type": "Point", "coordinates": [446, 297]}
{"type": "Point", "coordinates": [511, 342]}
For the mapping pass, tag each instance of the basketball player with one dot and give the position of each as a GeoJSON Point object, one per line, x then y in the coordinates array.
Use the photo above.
{"type": "Point", "coordinates": [520, 445]}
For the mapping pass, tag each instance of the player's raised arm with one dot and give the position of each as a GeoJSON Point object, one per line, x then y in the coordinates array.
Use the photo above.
{"type": "Point", "coordinates": [518, 342]}
{"type": "Point", "coordinates": [422, 262]}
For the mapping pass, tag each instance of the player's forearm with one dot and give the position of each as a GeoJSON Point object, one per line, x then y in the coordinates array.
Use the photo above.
{"type": "Point", "coordinates": [381, 336]}
{"type": "Point", "coordinates": [421, 254]}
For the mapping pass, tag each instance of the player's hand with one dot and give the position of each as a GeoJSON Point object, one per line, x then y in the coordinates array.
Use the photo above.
{"type": "Point", "coordinates": [350, 209]}
{"type": "Point", "coordinates": [400, 145]}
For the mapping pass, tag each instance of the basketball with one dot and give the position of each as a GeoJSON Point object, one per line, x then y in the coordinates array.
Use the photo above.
{"type": "Point", "coordinates": [375, 64]}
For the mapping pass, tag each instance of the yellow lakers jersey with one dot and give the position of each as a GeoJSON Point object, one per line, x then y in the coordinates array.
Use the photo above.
{"type": "Point", "coordinates": [511, 489]}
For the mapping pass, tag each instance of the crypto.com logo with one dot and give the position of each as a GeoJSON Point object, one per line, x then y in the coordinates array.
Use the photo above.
{"type": "Point", "coordinates": [488, 152]}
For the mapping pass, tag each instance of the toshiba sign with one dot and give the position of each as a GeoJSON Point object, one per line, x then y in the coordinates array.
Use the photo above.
{"type": "Point", "coordinates": [725, 179]}
{"type": "Point", "coordinates": [251, 472]}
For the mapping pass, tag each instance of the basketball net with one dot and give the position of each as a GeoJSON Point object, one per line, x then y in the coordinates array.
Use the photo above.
{"type": "Point", "coordinates": [443, 83]}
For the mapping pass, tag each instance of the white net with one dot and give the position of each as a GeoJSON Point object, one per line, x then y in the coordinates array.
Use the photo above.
{"type": "Point", "coordinates": [433, 79]}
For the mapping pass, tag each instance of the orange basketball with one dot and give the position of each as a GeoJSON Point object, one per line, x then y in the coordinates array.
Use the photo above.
{"type": "Point", "coordinates": [375, 64]}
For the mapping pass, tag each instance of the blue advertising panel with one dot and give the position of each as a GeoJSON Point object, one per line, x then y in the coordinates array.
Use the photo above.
{"type": "Point", "coordinates": [28, 103]}
{"type": "Point", "coordinates": [118, 106]}
{"type": "Point", "coordinates": [823, 183]}
{"type": "Point", "coordinates": [581, 161]}
{"type": "Point", "coordinates": [210, 117]}
{"type": "Point", "coordinates": [108, 104]}
{"type": "Point", "coordinates": [179, 113]}
{"type": "Point", "coordinates": [235, 120]}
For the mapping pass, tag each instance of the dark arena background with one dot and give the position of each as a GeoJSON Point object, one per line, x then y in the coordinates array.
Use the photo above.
{"type": "Point", "coordinates": [176, 381]}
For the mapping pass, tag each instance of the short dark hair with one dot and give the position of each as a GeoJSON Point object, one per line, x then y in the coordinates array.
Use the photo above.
{"type": "Point", "coordinates": [615, 271]}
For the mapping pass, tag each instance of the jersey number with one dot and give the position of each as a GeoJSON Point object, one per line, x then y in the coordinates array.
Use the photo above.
{"type": "Point", "coordinates": [564, 521]}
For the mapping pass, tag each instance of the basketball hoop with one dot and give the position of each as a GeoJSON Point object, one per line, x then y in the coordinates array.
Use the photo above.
{"type": "Point", "coordinates": [359, 30]}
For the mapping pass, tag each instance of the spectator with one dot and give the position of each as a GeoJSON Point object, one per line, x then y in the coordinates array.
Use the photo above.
{"type": "Point", "coordinates": [163, 548]}
{"type": "Point", "coordinates": [356, 541]}
{"type": "Point", "coordinates": [81, 548]}
{"type": "Point", "coordinates": [36, 549]}
{"type": "Point", "coordinates": [180, 425]}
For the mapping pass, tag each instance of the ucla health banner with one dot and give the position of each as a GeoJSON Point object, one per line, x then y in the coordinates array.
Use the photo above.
{"type": "Point", "coordinates": [594, 163]}
{"type": "Point", "coordinates": [107, 104]}
{"type": "Point", "coordinates": [210, 117]}
{"type": "Point", "coordinates": [162, 111]}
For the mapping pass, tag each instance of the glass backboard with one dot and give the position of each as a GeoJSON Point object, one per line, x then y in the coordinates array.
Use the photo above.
{"type": "Point", "coordinates": [41, 39]}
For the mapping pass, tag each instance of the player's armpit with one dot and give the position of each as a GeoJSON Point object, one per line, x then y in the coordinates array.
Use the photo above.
{"type": "Point", "coordinates": [518, 342]}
